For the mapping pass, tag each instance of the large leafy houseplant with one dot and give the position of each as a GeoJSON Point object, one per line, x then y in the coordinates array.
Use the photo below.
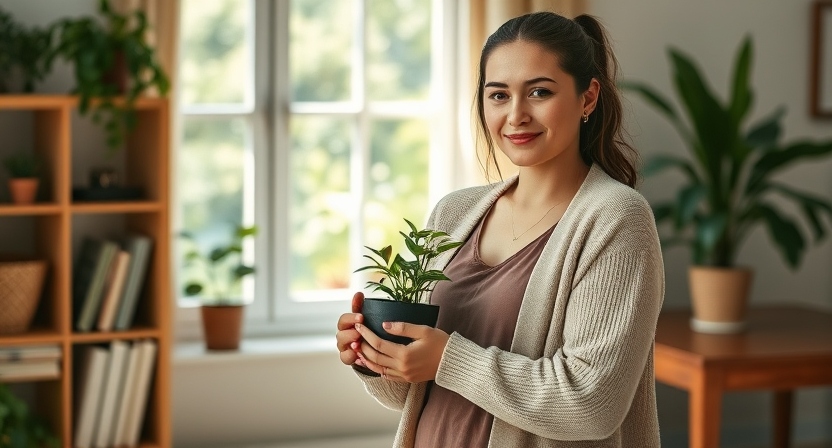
{"type": "Point", "coordinates": [730, 185]}
{"type": "Point", "coordinates": [111, 60]}
{"type": "Point", "coordinates": [24, 51]}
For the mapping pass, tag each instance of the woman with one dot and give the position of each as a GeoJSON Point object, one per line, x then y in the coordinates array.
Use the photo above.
{"type": "Point", "coordinates": [545, 335]}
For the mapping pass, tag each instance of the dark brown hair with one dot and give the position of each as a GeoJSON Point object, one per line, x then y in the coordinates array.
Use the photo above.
{"type": "Point", "coordinates": [583, 52]}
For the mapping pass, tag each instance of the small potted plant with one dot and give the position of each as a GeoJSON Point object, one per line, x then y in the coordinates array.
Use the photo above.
{"type": "Point", "coordinates": [220, 273]}
{"type": "Point", "coordinates": [405, 281]}
{"type": "Point", "coordinates": [23, 168]}
{"type": "Point", "coordinates": [110, 60]}
{"type": "Point", "coordinates": [18, 427]}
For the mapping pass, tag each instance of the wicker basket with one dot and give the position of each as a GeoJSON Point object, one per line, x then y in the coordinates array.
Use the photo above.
{"type": "Point", "coordinates": [21, 283]}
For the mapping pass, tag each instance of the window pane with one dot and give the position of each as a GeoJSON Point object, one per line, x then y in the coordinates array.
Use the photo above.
{"type": "Point", "coordinates": [319, 49]}
{"type": "Point", "coordinates": [398, 181]}
{"type": "Point", "coordinates": [216, 65]}
{"type": "Point", "coordinates": [210, 173]}
{"type": "Point", "coordinates": [321, 203]}
{"type": "Point", "coordinates": [398, 47]}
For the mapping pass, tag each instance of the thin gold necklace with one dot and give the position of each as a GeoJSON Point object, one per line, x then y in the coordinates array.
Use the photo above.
{"type": "Point", "coordinates": [515, 237]}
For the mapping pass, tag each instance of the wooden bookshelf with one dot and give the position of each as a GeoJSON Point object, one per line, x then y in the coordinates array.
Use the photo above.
{"type": "Point", "coordinates": [51, 229]}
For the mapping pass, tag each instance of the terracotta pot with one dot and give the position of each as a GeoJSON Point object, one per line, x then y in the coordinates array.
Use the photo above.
{"type": "Point", "coordinates": [222, 326]}
{"type": "Point", "coordinates": [719, 297]}
{"type": "Point", "coordinates": [23, 190]}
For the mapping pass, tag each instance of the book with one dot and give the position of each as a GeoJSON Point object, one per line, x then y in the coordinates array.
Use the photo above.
{"type": "Point", "coordinates": [111, 395]}
{"type": "Point", "coordinates": [139, 247]}
{"type": "Point", "coordinates": [113, 291]}
{"type": "Point", "coordinates": [123, 405]}
{"type": "Point", "coordinates": [32, 352]}
{"type": "Point", "coordinates": [139, 396]}
{"type": "Point", "coordinates": [91, 269]}
{"type": "Point", "coordinates": [89, 392]}
{"type": "Point", "coordinates": [30, 369]}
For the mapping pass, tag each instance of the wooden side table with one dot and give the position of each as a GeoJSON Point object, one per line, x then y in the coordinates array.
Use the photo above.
{"type": "Point", "coordinates": [783, 348]}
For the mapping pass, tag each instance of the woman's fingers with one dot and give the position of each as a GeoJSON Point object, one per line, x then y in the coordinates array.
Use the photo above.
{"type": "Point", "coordinates": [348, 320]}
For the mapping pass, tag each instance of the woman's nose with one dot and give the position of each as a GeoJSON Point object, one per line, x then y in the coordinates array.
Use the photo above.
{"type": "Point", "coordinates": [518, 115]}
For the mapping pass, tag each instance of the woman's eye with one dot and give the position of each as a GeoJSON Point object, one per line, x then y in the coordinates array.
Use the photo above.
{"type": "Point", "coordinates": [499, 96]}
{"type": "Point", "coordinates": [540, 93]}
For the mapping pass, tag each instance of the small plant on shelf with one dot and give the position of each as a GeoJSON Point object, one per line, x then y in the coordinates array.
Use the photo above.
{"type": "Point", "coordinates": [220, 270]}
{"type": "Point", "coordinates": [409, 279]}
{"type": "Point", "coordinates": [22, 165]}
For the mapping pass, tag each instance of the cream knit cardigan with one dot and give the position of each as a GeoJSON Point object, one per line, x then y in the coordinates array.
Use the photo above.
{"type": "Point", "coordinates": [580, 369]}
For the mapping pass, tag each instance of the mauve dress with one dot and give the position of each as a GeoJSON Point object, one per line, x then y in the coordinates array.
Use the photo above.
{"type": "Point", "coordinates": [481, 303]}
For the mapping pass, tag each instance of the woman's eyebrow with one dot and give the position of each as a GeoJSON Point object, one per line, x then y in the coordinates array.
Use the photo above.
{"type": "Point", "coordinates": [503, 85]}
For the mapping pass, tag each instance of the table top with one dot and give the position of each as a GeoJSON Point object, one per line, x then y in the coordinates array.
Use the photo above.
{"type": "Point", "coordinates": [771, 332]}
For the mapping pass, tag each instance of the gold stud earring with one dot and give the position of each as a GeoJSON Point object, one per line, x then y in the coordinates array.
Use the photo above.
{"type": "Point", "coordinates": [585, 117]}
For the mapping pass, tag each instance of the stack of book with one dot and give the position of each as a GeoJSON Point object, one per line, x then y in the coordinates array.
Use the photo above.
{"type": "Point", "coordinates": [30, 363]}
{"type": "Point", "coordinates": [107, 282]}
{"type": "Point", "coordinates": [112, 391]}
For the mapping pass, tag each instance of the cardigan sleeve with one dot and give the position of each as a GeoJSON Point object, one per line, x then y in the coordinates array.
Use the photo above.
{"type": "Point", "coordinates": [390, 394]}
{"type": "Point", "coordinates": [585, 390]}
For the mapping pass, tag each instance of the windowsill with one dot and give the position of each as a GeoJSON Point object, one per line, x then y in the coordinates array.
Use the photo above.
{"type": "Point", "coordinates": [194, 352]}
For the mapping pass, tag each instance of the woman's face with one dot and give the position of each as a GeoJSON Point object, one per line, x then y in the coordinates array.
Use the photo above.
{"type": "Point", "coordinates": [532, 109]}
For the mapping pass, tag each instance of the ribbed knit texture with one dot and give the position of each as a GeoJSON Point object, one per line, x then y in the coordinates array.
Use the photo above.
{"type": "Point", "coordinates": [580, 371]}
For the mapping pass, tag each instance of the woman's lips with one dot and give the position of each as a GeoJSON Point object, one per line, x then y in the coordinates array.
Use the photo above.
{"type": "Point", "coordinates": [519, 139]}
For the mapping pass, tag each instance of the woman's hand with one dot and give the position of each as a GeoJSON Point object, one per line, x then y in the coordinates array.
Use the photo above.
{"type": "Point", "coordinates": [412, 363]}
{"type": "Point", "coordinates": [347, 338]}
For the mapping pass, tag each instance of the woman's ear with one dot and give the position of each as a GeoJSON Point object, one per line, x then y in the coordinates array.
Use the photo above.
{"type": "Point", "coordinates": [591, 95]}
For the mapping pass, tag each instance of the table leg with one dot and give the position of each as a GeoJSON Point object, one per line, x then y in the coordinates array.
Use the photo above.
{"type": "Point", "coordinates": [782, 418]}
{"type": "Point", "coordinates": [705, 409]}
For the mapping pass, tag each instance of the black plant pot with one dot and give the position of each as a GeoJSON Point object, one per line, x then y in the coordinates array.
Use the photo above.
{"type": "Point", "coordinates": [378, 311]}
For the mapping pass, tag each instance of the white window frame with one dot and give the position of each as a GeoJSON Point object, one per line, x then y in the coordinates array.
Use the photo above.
{"type": "Point", "coordinates": [273, 312]}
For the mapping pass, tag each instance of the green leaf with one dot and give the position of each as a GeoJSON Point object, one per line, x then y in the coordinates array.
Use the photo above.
{"type": "Point", "coordinates": [773, 161]}
{"type": "Point", "coordinates": [385, 253]}
{"type": "Point", "coordinates": [709, 230]}
{"type": "Point", "coordinates": [659, 163]}
{"type": "Point", "coordinates": [192, 289]}
{"type": "Point", "coordinates": [447, 246]}
{"type": "Point", "coordinates": [414, 248]}
{"type": "Point", "coordinates": [715, 129]}
{"type": "Point", "coordinates": [687, 203]}
{"type": "Point", "coordinates": [764, 135]}
{"type": "Point", "coordinates": [662, 211]}
{"type": "Point", "coordinates": [785, 234]}
{"type": "Point", "coordinates": [811, 206]}
{"type": "Point", "coordinates": [242, 270]}
{"type": "Point", "coordinates": [651, 97]}
{"type": "Point", "coordinates": [741, 95]}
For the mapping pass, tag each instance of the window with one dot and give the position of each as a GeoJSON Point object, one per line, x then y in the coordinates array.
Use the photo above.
{"type": "Point", "coordinates": [325, 122]}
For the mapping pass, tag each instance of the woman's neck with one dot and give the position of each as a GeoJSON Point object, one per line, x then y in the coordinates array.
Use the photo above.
{"type": "Point", "coordinates": [539, 186]}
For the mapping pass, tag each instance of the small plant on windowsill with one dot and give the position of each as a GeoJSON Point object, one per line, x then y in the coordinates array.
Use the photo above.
{"type": "Point", "coordinates": [405, 281]}
{"type": "Point", "coordinates": [221, 273]}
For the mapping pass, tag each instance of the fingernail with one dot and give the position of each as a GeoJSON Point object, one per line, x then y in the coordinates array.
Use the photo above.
{"type": "Point", "coordinates": [358, 326]}
{"type": "Point", "coordinates": [360, 363]}
{"type": "Point", "coordinates": [358, 318]}
{"type": "Point", "coordinates": [387, 325]}
{"type": "Point", "coordinates": [354, 345]}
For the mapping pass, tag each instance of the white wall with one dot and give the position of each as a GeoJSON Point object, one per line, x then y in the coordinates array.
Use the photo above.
{"type": "Point", "coordinates": [228, 400]}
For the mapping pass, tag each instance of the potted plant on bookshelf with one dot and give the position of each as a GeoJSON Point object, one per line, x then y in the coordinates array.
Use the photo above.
{"type": "Point", "coordinates": [217, 278]}
{"type": "Point", "coordinates": [730, 187]}
{"type": "Point", "coordinates": [24, 52]}
{"type": "Point", "coordinates": [110, 60]}
{"type": "Point", "coordinates": [407, 281]}
{"type": "Point", "coordinates": [23, 168]}
{"type": "Point", "coordinates": [18, 427]}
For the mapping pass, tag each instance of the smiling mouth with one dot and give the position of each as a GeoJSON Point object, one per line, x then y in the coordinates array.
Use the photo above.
{"type": "Point", "coordinates": [519, 139]}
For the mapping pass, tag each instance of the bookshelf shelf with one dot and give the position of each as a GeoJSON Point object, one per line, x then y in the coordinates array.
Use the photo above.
{"type": "Point", "coordinates": [53, 229]}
